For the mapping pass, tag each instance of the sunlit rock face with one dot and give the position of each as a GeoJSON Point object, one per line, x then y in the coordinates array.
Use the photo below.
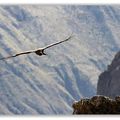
{"type": "Point", "coordinates": [97, 105]}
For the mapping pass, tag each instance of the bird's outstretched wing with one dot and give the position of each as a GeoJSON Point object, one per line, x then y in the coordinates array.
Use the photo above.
{"type": "Point", "coordinates": [26, 52]}
{"type": "Point", "coordinates": [53, 44]}
{"type": "Point", "coordinates": [33, 51]}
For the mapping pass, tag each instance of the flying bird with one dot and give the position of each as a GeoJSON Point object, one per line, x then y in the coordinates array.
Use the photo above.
{"type": "Point", "coordinates": [39, 51]}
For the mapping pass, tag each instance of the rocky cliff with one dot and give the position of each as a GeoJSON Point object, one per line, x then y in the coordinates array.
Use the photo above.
{"type": "Point", "coordinates": [109, 81]}
{"type": "Point", "coordinates": [97, 105]}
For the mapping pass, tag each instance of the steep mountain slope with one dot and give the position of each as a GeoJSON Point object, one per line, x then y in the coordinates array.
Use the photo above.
{"type": "Point", "coordinates": [49, 84]}
{"type": "Point", "coordinates": [108, 83]}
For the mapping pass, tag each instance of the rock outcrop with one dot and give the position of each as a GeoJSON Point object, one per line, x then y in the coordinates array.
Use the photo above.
{"type": "Point", "coordinates": [109, 81]}
{"type": "Point", "coordinates": [97, 105]}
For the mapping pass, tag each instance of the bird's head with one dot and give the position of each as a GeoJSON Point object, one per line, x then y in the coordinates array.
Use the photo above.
{"type": "Point", "coordinates": [43, 52]}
